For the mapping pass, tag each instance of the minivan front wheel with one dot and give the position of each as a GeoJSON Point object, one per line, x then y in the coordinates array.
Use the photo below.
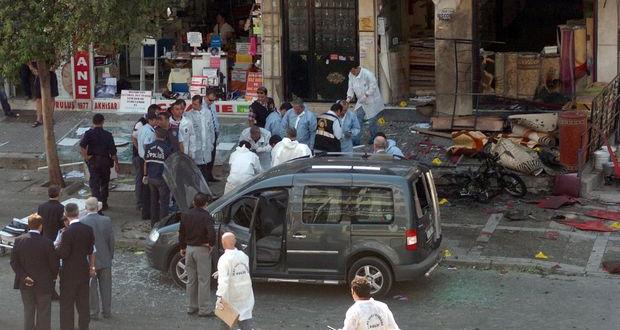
{"type": "Point", "coordinates": [177, 271]}
{"type": "Point", "coordinates": [376, 271]}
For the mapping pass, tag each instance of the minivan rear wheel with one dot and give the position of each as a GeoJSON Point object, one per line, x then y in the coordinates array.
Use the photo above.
{"type": "Point", "coordinates": [376, 271]}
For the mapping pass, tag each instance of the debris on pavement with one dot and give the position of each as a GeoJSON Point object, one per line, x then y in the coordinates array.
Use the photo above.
{"type": "Point", "coordinates": [541, 255]}
{"type": "Point", "coordinates": [452, 267]}
{"type": "Point", "coordinates": [447, 253]}
{"type": "Point", "coordinates": [443, 202]}
{"type": "Point", "coordinates": [400, 298]}
{"type": "Point", "coordinates": [602, 214]}
{"type": "Point", "coordinates": [75, 174]}
{"type": "Point", "coordinates": [517, 215]}
{"type": "Point", "coordinates": [552, 235]}
{"type": "Point", "coordinates": [612, 267]}
{"type": "Point", "coordinates": [555, 202]}
{"type": "Point", "coordinates": [594, 225]}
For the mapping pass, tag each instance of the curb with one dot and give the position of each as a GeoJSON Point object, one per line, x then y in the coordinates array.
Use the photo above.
{"type": "Point", "coordinates": [523, 265]}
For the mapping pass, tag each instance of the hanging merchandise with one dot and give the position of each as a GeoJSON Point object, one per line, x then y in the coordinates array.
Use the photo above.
{"type": "Point", "coordinates": [253, 43]}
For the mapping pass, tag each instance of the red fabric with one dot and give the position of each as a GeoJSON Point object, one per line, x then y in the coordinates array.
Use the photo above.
{"type": "Point", "coordinates": [595, 225]}
{"type": "Point", "coordinates": [602, 214]}
{"type": "Point", "coordinates": [612, 267]}
{"type": "Point", "coordinates": [555, 202]}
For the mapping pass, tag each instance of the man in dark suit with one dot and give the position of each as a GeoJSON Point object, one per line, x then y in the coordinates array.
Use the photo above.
{"type": "Point", "coordinates": [104, 253]}
{"type": "Point", "coordinates": [78, 265]}
{"type": "Point", "coordinates": [52, 213]}
{"type": "Point", "coordinates": [197, 239]}
{"type": "Point", "coordinates": [35, 264]}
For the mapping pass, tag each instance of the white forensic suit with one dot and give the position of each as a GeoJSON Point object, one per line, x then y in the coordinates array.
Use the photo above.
{"type": "Point", "coordinates": [234, 284]}
{"type": "Point", "coordinates": [286, 150]}
{"type": "Point", "coordinates": [187, 136]}
{"type": "Point", "coordinates": [261, 147]}
{"type": "Point", "coordinates": [244, 165]}
{"type": "Point", "coordinates": [369, 315]}
{"type": "Point", "coordinates": [366, 89]}
{"type": "Point", "coordinates": [204, 132]}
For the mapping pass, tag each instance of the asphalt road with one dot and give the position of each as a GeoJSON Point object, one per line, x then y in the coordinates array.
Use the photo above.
{"type": "Point", "coordinates": [144, 298]}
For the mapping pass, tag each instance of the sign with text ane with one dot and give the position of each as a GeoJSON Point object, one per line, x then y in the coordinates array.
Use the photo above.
{"type": "Point", "coordinates": [135, 101]}
{"type": "Point", "coordinates": [81, 72]}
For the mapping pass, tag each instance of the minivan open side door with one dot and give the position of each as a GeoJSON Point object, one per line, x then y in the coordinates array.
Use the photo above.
{"type": "Point", "coordinates": [241, 220]}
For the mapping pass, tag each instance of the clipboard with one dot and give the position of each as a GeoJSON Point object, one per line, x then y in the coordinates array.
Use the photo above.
{"type": "Point", "coordinates": [227, 313]}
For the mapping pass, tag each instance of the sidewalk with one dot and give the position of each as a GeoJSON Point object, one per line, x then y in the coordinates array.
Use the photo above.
{"type": "Point", "coordinates": [510, 233]}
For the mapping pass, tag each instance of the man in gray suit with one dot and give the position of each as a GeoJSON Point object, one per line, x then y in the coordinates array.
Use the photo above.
{"type": "Point", "coordinates": [104, 253]}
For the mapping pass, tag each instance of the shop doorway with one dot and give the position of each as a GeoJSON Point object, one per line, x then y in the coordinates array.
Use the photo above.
{"type": "Point", "coordinates": [320, 44]}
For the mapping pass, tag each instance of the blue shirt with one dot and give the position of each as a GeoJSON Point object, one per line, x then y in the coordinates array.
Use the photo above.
{"type": "Point", "coordinates": [155, 155]}
{"type": "Point", "coordinates": [305, 126]}
{"type": "Point", "coordinates": [350, 128]}
{"type": "Point", "coordinates": [146, 135]}
{"type": "Point", "coordinates": [392, 149]}
{"type": "Point", "coordinates": [274, 123]}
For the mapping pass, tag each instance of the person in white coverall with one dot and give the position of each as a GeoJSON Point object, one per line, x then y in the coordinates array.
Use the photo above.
{"type": "Point", "coordinates": [367, 313]}
{"type": "Point", "coordinates": [289, 148]}
{"type": "Point", "coordinates": [234, 284]}
{"type": "Point", "coordinates": [259, 140]}
{"type": "Point", "coordinates": [363, 86]}
{"type": "Point", "coordinates": [244, 165]}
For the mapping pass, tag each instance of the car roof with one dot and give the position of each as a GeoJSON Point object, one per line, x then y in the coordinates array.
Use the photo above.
{"type": "Point", "coordinates": [354, 164]}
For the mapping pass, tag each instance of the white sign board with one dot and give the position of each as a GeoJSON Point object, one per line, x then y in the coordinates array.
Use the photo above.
{"type": "Point", "coordinates": [135, 101]}
{"type": "Point", "coordinates": [194, 39]}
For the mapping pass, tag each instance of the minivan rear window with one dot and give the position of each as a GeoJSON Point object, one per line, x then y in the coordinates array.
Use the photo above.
{"type": "Point", "coordinates": [372, 205]}
{"type": "Point", "coordinates": [359, 205]}
{"type": "Point", "coordinates": [421, 197]}
{"type": "Point", "coordinates": [323, 205]}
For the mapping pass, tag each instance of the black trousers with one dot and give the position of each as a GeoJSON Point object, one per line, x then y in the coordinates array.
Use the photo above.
{"type": "Point", "coordinates": [209, 168]}
{"type": "Point", "coordinates": [37, 309]}
{"type": "Point", "coordinates": [25, 79]}
{"type": "Point", "coordinates": [99, 180]}
{"type": "Point", "coordinates": [74, 296]}
{"type": "Point", "coordinates": [143, 194]}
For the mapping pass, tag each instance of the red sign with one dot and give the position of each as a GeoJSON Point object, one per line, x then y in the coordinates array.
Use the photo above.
{"type": "Point", "coordinates": [254, 81]}
{"type": "Point", "coordinates": [81, 72]}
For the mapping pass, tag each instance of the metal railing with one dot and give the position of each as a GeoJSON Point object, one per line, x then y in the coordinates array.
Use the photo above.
{"type": "Point", "coordinates": [604, 116]}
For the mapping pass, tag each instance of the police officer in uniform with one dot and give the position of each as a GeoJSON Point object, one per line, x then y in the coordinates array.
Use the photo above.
{"type": "Point", "coordinates": [99, 153]}
{"type": "Point", "coordinates": [329, 130]}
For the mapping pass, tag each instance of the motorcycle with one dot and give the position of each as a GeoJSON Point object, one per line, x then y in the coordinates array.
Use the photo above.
{"type": "Point", "coordinates": [490, 180]}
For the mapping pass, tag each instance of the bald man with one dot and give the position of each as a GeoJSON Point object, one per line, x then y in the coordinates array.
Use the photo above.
{"type": "Point", "coordinates": [379, 145]}
{"type": "Point", "coordinates": [234, 284]}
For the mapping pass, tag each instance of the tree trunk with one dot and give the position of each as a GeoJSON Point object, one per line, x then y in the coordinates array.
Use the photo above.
{"type": "Point", "coordinates": [51, 153]}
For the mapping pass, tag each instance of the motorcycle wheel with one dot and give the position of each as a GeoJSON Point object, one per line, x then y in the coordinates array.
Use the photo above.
{"type": "Point", "coordinates": [513, 184]}
{"type": "Point", "coordinates": [458, 181]}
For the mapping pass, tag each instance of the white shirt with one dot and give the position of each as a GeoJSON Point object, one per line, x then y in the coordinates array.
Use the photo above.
{"type": "Point", "coordinates": [234, 283]}
{"type": "Point", "coordinates": [244, 165]}
{"type": "Point", "coordinates": [286, 150]}
{"type": "Point", "coordinates": [369, 315]}
{"type": "Point", "coordinates": [365, 87]}
{"type": "Point", "coordinates": [262, 147]}
{"type": "Point", "coordinates": [187, 136]}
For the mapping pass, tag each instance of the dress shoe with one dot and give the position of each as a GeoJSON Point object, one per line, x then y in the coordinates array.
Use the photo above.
{"type": "Point", "coordinates": [104, 207]}
{"type": "Point", "coordinates": [94, 317]}
{"type": "Point", "coordinates": [107, 316]}
{"type": "Point", "coordinates": [210, 314]}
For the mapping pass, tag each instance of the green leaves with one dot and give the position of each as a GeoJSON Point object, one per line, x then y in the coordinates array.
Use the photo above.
{"type": "Point", "coordinates": [47, 30]}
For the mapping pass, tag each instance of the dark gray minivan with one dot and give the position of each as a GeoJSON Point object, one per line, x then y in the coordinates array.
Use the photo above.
{"type": "Point", "coordinates": [319, 220]}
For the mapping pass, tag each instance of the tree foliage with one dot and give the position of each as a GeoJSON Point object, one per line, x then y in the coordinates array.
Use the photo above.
{"type": "Point", "coordinates": [46, 31]}
{"type": "Point", "coordinates": [49, 30]}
